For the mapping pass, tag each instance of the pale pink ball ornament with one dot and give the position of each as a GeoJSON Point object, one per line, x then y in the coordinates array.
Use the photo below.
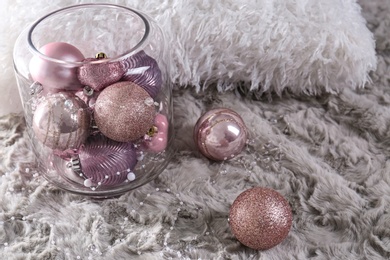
{"type": "Point", "coordinates": [124, 112]}
{"type": "Point", "coordinates": [56, 75]}
{"type": "Point", "coordinates": [156, 139]}
{"type": "Point", "coordinates": [220, 134]}
{"type": "Point", "coordinates": [260, 218]}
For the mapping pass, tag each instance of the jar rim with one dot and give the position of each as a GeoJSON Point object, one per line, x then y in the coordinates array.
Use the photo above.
{"type": "Point", "coordinates": [126, 54]}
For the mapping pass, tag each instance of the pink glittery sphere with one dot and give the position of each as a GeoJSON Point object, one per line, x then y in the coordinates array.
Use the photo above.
{"type": "Point", "coordinates": [220, 134]}
{"type": "Point", "coordinates": [260, 218]}
{"type": "Point", "coordinates": [56, 76]}
{"type": "Point", "coordinates": [61, 121]}
{"type": "Point", "coordinates": [98, 76]}
{"type": "Point", "coordinates": [124, 112]}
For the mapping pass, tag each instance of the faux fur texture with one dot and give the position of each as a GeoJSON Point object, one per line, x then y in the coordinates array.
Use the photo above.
{"type": "Point", "coordinates": [328, 155]}
{"type": "Point", "coordinates": [307, 46]}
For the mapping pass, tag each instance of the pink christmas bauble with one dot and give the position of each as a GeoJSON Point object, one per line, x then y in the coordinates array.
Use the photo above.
{"type": "Point", "coordinates": [55, 75]}
{"type": "Point", "coordinates": [61, 121]}
{"type": "Point", "coordinates": [88, 95]}
{"type": "Point", "coordinates": [104, 162]}
{"type": "Point", "coordinates": [98, 76]}
{"type": "Point", "coordinates": [144, 71]}
{"type": "Point", "coordinates": [124, 112]}
{"type": "Point", "coordinates": [260, 218]}
{"type": "Point", "coordinates": [158, 140]}
{"type": "Point", "coordinates": [220, 134]}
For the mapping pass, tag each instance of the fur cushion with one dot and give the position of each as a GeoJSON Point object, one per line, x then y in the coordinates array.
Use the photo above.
{"type": "Point", "coordinates": [307, 46]}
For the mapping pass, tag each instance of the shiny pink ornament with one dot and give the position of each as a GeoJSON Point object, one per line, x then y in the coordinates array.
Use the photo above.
{"type": "Point", "coordinates": [157, 142]}
{"type": "Point", "coordinates": [260, 218]}
{"type": "Point", "coordinates": [88, 95]}
{"type": "Point", "coordinates": [98, 76]}
{"type": "Point", "coordinates": [61, 121]}
{"type": "Point", "coordinates": [143, 70]}
{"type": "Point", "coordinates": [104, 162]}
{"type": "Point", "coordinates": [53, 75]}
{"type": "Point", "coordinates": [124, 112]}
{"type": "Point", "coordinates": [220, 134]}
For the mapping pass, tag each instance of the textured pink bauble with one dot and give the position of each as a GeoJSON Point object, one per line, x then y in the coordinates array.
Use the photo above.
{"type": "Point", "coordinates": [144, 71]}
{"type": "Point", "coordinates": [124, 112]}
{"type": "Point", "coordinates": [101, 75]}
{"type": "Point", "coordinates": [260, 218]}
{"type": "Point", "coordinates": [220, 134]}
{"type": "Point", "coordinates": [159, 140]}
{"type": "Point", "coordinates": [54, 75]}
{"type": "Point", "coordinates": [61, 121]}
{"type": "Point", "coordinates": [104, 162]}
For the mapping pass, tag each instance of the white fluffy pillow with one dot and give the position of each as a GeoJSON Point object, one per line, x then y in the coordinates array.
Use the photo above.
{"type": "Point", "coordinates": [308, 46]}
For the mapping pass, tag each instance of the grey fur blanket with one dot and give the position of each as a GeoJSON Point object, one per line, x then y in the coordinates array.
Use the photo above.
{"type": "Point", "coordinates": [327, 155]}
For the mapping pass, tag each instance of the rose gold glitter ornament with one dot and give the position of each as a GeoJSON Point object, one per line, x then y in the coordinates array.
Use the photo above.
{"type": "Point", "coordinates": [220, 134]}
{"type": "Point", "coordinates": [123, 112]}
{"type": "Point", "coordinates": [61, 121]}
{"type": "Point", "coordinates": [260, 218]}
{"type": "Point", "coordinates": [101, 75]}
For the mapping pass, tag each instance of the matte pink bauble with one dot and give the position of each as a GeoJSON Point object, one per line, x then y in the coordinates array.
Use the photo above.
{"type": "Point", "coordinates": [124, 112]}
{"type": "Point", "coordinates": [54, 75]}
{"type": "Point", "coordinates": [220, 134]}
{"type": "Point", "coordinates": [260, 218]}
{"type": "Point", "coordinates": [61, 121]}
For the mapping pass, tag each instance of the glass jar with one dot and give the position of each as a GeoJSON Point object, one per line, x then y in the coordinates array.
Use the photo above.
{"type": "Point", "coordinates": [96, 93]}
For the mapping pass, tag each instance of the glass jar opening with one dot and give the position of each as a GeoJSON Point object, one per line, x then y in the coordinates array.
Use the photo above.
{"type": "Point", "coordinates": [109, 22]}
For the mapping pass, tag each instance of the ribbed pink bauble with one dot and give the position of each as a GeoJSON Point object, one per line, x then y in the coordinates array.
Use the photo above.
{"type": "Point", "coordinates": [106, 162]}
{"type": "Point", "coordinates": [55, 75]}
{"type": "Point", "coordinates": [124, 112]}
{"type": "Point", "coordinates": [260, 218]}
{"type": "Point", "coordinates": [220, 134]}
{"type": "Point", "coordinates": [143, 70]}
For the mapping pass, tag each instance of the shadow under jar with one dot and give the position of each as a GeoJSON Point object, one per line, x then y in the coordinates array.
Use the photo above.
{"type": "Point", "coordinates": [94, 83]}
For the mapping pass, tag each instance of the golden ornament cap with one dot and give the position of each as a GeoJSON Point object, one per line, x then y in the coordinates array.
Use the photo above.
{"type": "Point", "coordinates": [101, 55]}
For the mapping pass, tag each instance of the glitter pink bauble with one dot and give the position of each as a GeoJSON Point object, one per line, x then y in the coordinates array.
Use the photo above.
{"type": "Point", "coordinates": [54, 75]}
{"type": "Point", "coordinates": [105, 162]}
{"type": "Point", "coordinates": [61, 121]}
{"type": "Point", "coordinates": [220, 134]}
{"type": "Point", "coordinates": [260, 218]}
{"type": "Point", "coordinates": [100, 75]}
{"type": "Point", "coordinates": [143, 70]}
{"type": "Point", "coordinates": [124, 112]}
